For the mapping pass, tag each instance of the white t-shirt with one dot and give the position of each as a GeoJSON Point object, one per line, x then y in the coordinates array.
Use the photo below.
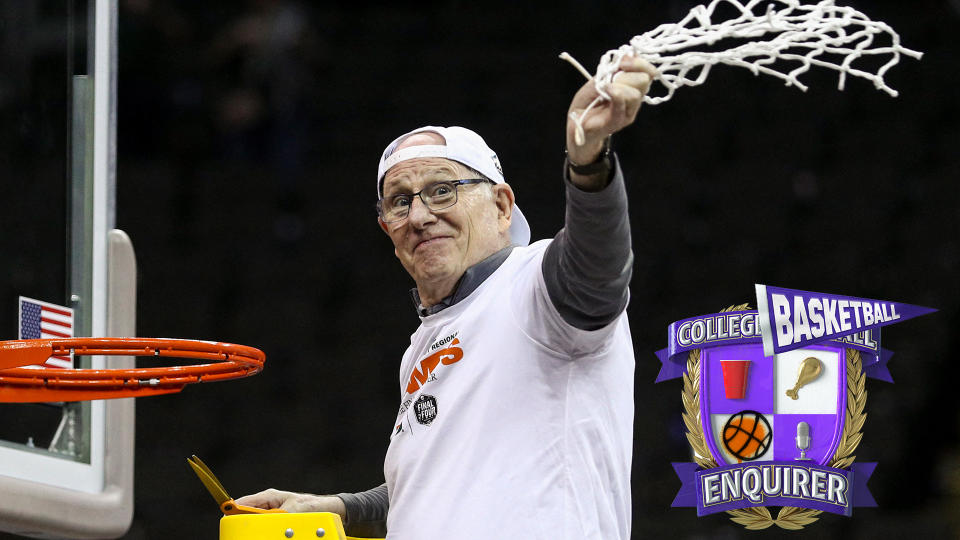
{"type": "Point", "coordinates": [513, 424]}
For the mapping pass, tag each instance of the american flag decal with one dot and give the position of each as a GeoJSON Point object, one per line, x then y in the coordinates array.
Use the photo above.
{"type": "Point", "coordinates": [42, 320]}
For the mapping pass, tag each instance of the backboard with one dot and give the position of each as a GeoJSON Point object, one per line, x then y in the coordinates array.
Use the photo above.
{"type": "Point", "coordinates": [66, 470]}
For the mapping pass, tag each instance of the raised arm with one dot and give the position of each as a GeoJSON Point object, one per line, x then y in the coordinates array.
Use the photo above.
{"type": "Point", "coordinates": [587, 268]}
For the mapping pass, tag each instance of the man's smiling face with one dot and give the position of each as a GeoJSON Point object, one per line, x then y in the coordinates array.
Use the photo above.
{"type": "Point", "coordinates": [437, 247]}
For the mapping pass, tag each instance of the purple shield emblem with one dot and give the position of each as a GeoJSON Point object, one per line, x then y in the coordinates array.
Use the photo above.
{"type": "Point", "coordinates": [786, 407]}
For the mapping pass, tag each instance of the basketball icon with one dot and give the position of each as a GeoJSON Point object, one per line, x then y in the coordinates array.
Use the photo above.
{"type": "Point", "coordinates": [747, 435]}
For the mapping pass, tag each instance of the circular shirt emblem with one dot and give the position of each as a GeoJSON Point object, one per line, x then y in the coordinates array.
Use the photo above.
{"type": "Point", "coordinates": [426, 409]}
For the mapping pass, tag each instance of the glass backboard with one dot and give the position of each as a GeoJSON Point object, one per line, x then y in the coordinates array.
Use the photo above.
{"type": "Point", "coordinates": [66, 469]}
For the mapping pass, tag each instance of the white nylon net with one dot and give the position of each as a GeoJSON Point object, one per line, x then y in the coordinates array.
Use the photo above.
{"type": "Point", "coordinates": [786, 38]}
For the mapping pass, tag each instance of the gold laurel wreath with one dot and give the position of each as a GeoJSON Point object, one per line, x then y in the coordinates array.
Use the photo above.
{"type": "Point", "coordinates": [789, 517]}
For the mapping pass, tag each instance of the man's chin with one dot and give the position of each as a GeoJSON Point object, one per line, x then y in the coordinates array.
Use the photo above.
{"type": "Point", "coordinates": [434, 269]}
{"type": "Point", "coordinates": [429, 273]}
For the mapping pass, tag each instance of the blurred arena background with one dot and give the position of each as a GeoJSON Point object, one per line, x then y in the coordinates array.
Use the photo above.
{"type": "Point", "coordinates": [248, 137]}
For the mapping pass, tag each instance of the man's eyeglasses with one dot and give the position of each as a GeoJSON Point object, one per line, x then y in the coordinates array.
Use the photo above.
{"type": "Point", "coordinates": [436, 196]}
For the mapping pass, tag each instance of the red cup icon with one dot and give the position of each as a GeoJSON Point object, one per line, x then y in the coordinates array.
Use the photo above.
{"type": "Point", "coordinates": [735, 377]}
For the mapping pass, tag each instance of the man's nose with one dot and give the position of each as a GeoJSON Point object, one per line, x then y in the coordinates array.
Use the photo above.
{"type": "Point", "coordinates": [419, 214]}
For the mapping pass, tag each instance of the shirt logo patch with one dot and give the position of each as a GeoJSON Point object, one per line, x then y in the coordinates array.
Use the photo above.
{"type": "Point", "coordinates": [450, 355]}
{"type": "Point", "coordinates": [426, 409]}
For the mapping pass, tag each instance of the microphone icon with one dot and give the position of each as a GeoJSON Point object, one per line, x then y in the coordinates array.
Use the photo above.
{"type": "Point", "coordinates": [803, 440]}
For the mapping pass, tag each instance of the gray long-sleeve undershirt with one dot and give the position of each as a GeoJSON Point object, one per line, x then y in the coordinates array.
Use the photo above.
{"type": "Point", "coordinates": [587, 267]}
{"type": "Point", "coordinates": [587, 270]}
{"type": "Point", "coordinates": [366, 512]}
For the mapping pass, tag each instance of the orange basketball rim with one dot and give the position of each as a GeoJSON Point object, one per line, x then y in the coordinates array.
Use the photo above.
{"type": "Point", "coordinates": [19, 383]}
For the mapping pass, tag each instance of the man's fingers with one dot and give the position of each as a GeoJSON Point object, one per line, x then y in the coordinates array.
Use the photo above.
{"type": "Point", "coordinates": [624, 103]}
{"type": "Point", "coordinates": [638, 64]}
{"type": "Point", "coordinates": [624, 96]}
{"type": "Point", "coordinates": [635, 79]}
{"type": "Point", "coordinates": [608, 118]}
{"type": "Point", "coordinates": [267, 499]}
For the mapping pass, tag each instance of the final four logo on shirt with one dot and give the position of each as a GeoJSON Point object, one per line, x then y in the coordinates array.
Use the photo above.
{"type": "Point", "coordinates": [426, 409]}
{"type": "Point", "coordinates": [774, 403]}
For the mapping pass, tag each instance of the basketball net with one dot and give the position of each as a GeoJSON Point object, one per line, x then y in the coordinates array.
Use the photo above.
{"type": "Point", "coordinates": [785, 40]}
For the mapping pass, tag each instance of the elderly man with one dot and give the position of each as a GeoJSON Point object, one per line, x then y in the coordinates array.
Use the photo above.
{"type": "Point", "coordinates": [516, 393]}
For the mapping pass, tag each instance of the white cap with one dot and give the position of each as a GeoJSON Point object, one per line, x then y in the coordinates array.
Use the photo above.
{"type": "Point", "coordinates": [463, 146]}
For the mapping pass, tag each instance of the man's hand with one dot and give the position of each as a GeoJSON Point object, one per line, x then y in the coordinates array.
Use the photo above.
{"type": "Point", "coordinates": [294, 502]}
{"type": "Point", "coordinates": [629, 86]}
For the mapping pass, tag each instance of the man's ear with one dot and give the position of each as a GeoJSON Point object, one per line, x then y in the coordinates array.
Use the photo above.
{"type": "Point", "coordinates": [503, 198]}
